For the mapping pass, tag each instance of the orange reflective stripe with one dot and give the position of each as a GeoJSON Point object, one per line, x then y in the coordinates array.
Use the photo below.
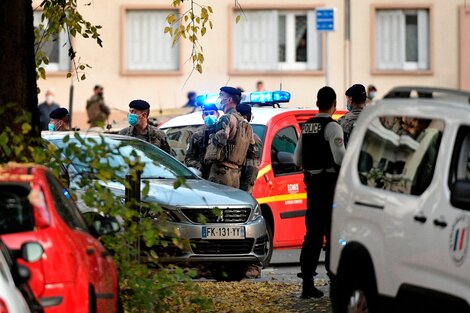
{"type": "Point", "coordinates": [264, 170]}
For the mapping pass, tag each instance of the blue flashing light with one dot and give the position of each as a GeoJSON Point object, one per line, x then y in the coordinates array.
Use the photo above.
{"type": "Point", "coordinates": [210, 98]}
{"type": "Point", "coordinates": [342, 242]}
{"type": "Point", "coordinates": [66, 193]}
{"type": "Point", "coordinates": [267, 97]}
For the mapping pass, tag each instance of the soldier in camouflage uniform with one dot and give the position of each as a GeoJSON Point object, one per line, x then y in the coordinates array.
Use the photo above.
{"type": "Point", "coordinates": [249, 170]}
{"type": "Point", "coordinates": [199, 140]}
{"type": "Point", "coordinates": [223, 171]}
{"type": "Point", "coordinates": [98, 112]}
{"type": "Point", "coordinates": [356, 95]}
{"type": "Point", "coordinates": [140, 128]}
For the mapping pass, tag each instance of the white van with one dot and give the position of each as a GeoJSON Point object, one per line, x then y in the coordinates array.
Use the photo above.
{"type": "Point", "coordinates": [401, 220]}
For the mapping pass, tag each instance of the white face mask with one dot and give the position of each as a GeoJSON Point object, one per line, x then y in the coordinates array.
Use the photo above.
{"type": "Point", "coordinates": [49, 99]}
{"type": "Point", "coordinates": [372, 95]}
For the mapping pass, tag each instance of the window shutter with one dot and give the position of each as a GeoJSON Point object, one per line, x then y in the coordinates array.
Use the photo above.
{"type": "Point", "coordinates": [314, 43]}
{"type": "Point", "coordinates": [255, 45]}
{"type": "Point", "coordinates": [390, 39]}
{"type": "Point", "coordinates": [148, 48]}
{"type": "Point", "coordinates": [64, 59]}
{"type": "Point", "coordinates": [423, 39]}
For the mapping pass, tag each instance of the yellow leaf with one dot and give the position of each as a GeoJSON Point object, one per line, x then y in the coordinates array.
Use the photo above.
{"type": "Point", "coordinates": [237, 19]}
{"type": "Point", "coordinates": [25, 128]}
{"type": "Point", "coordinates": [203, 31]}
{"type": "Point", "coordinates": [199, 68]}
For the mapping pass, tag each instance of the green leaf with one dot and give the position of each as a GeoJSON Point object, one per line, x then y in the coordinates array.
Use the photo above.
{"type": "Point", "coordinates": [199, 68]}
{"type": "Point", "coordinates": [203, 31]}
{"type": "Point", "coordinates": [210, 9]}
{"type": "Point", "coordinates": [25, 128]}
{"type": "Point", "coordinates": [83, 77]}
{"type": "Point", "coordinates": [237, 19]}
{"type": "Point", "coordinates": [69, 74]}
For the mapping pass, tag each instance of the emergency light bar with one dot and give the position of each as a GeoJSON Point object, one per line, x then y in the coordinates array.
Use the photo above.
{"type": "Point", "coordinates": [210, 98]}
{"type": "Point", "coordinates": [267, 97]}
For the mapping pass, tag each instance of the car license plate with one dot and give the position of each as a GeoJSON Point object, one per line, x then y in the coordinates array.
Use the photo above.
{"type": "Point", "coordinates": [220, 232]}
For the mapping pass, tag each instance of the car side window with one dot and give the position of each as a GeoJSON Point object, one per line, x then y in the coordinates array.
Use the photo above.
{"type": "Point", "coordinates": [399, 153]}
{"type": "Point", "coordinates": [16, 213]}
{"type": "Point", "coordinates": [282, 151]}
{"type": "Point", "coordinates": [65, 205]}
{"type": "Point", "coordinates": [460, 168]}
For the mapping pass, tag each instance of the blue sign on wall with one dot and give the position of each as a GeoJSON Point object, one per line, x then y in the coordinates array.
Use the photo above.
{"type": "Point", "coordinates": [325, 19]}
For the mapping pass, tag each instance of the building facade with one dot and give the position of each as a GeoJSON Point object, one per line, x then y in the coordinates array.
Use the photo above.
{"type": "Point", "coordinates": [385, 43]}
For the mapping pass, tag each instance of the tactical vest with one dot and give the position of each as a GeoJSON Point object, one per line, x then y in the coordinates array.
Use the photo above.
{"type": "Point", "coordinates": [316, 151]}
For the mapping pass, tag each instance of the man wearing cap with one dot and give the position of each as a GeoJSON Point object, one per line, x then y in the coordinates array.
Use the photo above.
{"type": "Point", "coordinates": [59, 120]}
{"type": "Point", "coordinates": [140, 128]}
{"type": "Point", "coordinates": [98, 112]}
{"type": "Point", "coordinates": [228, 146]}
{"type": "Point", "coordinates": [46, 108]}
{"type": "Point", "coordinates": [356, 101]}
{"type": "Point", "coordinates": [199, 140]}
{"type": "Point", "coordinates": [249, 170]}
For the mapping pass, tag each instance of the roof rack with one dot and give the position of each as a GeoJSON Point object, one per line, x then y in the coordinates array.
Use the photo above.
{"type": "Point", "coordinates": [437, 93]}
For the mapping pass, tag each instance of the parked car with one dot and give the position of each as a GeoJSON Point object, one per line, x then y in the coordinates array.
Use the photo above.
{"type": "Point", "coordinates": [16, 295]}
{"type": "Point", "coordinates": [400, 225]}
{"type": "Point", "coordinates": [228, 242]}
{"type": "Point", "coordinates": [279, 188]}
{"type": "Point", "coordinates": [74, 273]}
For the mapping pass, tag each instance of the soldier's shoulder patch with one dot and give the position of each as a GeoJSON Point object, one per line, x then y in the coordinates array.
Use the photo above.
{"type": "Point", "coordinates": [339, 141]}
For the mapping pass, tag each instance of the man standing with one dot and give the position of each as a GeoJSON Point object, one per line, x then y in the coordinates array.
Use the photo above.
{"type": "Point", "coordinates": [250, 168]}
{"type": "Point", "coordinates": [139, 127]}
{"type": "Point", "coordinates": [356, 101]}
{"type": "Point", "coordinates": [59, 120]}
{"type": "Point", "coordinates": [98, 112]}
{"type": "Point", "coordinates": [228, 146]}
{"type": "Point", "coordinates": [320, 151]}
{"type": "Point", "coordinates": [199, 140]}
{"type": "Point", "coordinates": [46, 108]}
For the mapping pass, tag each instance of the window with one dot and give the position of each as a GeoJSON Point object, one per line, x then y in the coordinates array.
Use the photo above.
{"type": "Point", "coordinates": [16, 213]}
{"type": "Point", "coordinates": [399, 153]}
{"type": "Point", "coordinates": [402, 40]}
{"type": "Point", "coordinates": [64, 204]}
{"type": "Point", "coordinates": [147, 47]}
{"type": "Point", "coordinates": [277, 40]}
{"type": "Point", "coordinates": [282, 151]}
{"type": "Point", "coordinates": [56, 48]}
{"type": "Point", "coordinates": [459, 179]}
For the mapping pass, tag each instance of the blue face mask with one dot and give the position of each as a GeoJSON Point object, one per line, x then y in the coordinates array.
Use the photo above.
{"type": "Point", "coordinates": [210, 120]}
{"type": "Point", "coordinates": [51, 127]}
{"type": "Point", "coordinates": [133, 119]}
{"type": "Point", "coordinates": [348, 107]}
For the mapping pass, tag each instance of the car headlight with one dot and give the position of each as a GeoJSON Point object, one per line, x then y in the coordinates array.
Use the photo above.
{"type": "Point", "coordinates": [256, 212]}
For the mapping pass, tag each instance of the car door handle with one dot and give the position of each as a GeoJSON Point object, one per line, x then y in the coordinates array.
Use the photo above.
{"type": "Point", "coordinates": [420, 218]}
{"type": "Point", "coordinates": [440, 222]}
{"type": "Point", "coordinates": [90, 251]}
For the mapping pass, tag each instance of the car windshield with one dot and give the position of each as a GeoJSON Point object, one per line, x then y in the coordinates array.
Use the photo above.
{"type": "Point", "coordinates": [158, 164]}
{"type": "Point", "coordinates": [259, 130]}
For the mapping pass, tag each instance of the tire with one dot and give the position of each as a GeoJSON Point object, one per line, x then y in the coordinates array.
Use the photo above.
{"type": "Point", "coordinates": [266, 262]}
{"type": "Point", "coordinates": [230, 272]}
{"type": "Point", "coordinates": [355, 291]}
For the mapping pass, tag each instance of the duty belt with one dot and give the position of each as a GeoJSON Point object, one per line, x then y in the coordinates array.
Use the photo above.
{"type": "Point", "coordinates": [319, 171]}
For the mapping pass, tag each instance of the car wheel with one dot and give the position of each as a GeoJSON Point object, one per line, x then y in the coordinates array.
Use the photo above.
{"type": "Point", "coordinates": [269, 255]}
{"type": "Point", "coordinates": [355, 292]}
{"type": "Point", "coordinates": [230, 272]}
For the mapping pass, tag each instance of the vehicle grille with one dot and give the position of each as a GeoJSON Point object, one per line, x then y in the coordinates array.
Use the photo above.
{"type": "Point", "coordinates": [242, 246]}
{"type": "Point", "coordinates": [201, 216]}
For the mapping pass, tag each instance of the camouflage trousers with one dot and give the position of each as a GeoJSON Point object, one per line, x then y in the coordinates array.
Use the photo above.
{"type": "Point", "coordinates": [224, 175]}
{"type": "Point", "coordinates": [248, 175]}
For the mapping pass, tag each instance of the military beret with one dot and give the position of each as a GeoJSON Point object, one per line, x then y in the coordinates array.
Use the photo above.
{"type": "Point", "coordinates": [231, 90]}
{"type": "Point", "coordinates": [209, 107]}
{"type": "Point", "coordinates": [356, 90]}
{"type": "Point", "coordinates": [244, 109]}
{"type": "Point", "coordinates": [59, 113]}
{"type": "Point", "coordinates": [139, 105]}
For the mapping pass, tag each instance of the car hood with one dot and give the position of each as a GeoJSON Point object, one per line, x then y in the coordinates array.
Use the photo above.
{"type": "Point", "coordinates": [194, 193]}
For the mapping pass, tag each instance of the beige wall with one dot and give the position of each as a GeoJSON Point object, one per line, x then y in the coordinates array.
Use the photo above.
{"type": "Point", "coordinates": [169, 91]}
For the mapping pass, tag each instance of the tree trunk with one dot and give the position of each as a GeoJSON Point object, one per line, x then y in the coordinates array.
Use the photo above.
{"type": "Point", "coordinates": [17, 62]}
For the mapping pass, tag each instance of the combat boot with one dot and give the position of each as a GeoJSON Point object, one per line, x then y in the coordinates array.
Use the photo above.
{"type": "Point", "coordinates": [309, 290]}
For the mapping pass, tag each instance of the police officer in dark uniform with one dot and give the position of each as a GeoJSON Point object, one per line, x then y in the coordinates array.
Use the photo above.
{"type": "Point", "coordinates": [140, 128]}
{"type": "Point", "coordinates": [320, 151]}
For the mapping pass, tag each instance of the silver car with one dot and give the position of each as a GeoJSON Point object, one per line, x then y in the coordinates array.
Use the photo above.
{"type": "Point", "coordinates": [229, 241]}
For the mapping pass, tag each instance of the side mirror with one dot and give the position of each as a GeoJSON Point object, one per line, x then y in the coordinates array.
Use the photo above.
{"type": "Point", "coordinates": [460, 194]}
{"type": "Point", "coordinates": [100, 225]}
{"type": "Point", "coordinates": [195, 171]}
{"type": "Point", "coordinates": [31, 251]}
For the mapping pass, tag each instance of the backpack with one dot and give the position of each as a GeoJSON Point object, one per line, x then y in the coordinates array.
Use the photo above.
{"type": "Point", "coordinates": [238, 147]}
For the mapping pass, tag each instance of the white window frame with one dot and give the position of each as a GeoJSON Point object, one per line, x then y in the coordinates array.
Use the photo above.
{"type": "Point", "coordinates": [64, 63]}
{"type": "Point", "coordinates": [262, 55]}
{"type": "Point", "coordinates": [148, 48]}
{"type": "Point", "coordinates": [391, 42]}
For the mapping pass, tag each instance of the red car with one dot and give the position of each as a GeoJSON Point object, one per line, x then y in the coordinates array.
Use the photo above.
{"type": "Point", "coordinates": [75, 272]}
